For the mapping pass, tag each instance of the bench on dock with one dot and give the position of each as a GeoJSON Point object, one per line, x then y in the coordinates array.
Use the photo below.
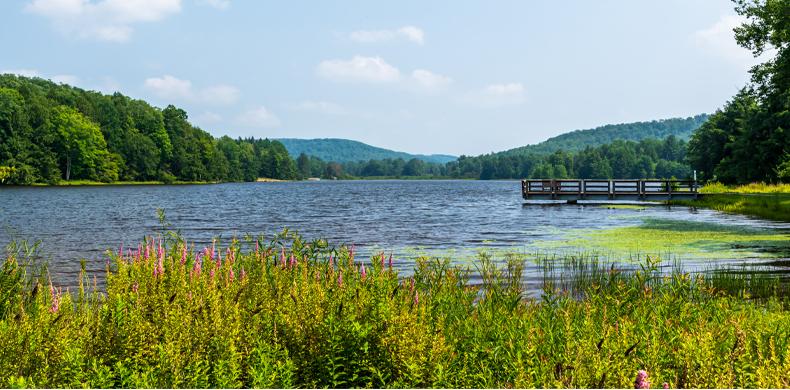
{"type": "Point", "coordinates": [589, 189]}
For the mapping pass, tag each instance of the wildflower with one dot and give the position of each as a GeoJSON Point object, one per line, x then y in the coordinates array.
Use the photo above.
{"type": "Point", "coordinates": [282, 257]}
{"type": "Point", "coordinates": [231, 275]}
{"type": "Point", "coordinates": [641, 381]}
{"type": "Point", "coordinates": [211, 272]}
{"type": "Point", "coordinates": [364, 273]}
{"type": "Point", "coordinates": [147, 251]}
{"type": "Point", "coordinates": [293, 261]}
{"type": "Point", "coordinates": [416, 298]}
{"type": "Point", "coordinates": [665, 385]}
{"type": "Point", "coordinates": [120, 251]}
{"type": "Point", "coordinates": [257, 248]}
{"type": "Point", "coordinates": [135, 287]}
{"type": "Point", "coordinates": [381, 257]}
{"type": "Point", "coordinates": [390, 261]}
{"type": "Point", "coordinates": [55, 298]}
{"type": "Point", "coordinates": [183, 254]}
{"type": "Point", "coordinates": [331, 261]}
{"type": "Point", "coordinates": [340, 278]}
{"type": "Point", "coordinates": [196, 266]}
{"type": "Point", "coordinates": [243, 274]}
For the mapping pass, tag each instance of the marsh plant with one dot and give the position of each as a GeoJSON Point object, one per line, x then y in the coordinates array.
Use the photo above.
{"type": "Point", "coordinates": [293, 313]}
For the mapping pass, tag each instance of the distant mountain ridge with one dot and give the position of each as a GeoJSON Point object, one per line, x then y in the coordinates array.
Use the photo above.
{"type": "Point", "coordinates": [636, 131]}
{"type": "Point", "coordinates": [345, 150]}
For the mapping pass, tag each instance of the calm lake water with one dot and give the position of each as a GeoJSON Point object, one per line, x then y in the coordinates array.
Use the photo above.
{"type": "Point", "coordinates": [405, 217]}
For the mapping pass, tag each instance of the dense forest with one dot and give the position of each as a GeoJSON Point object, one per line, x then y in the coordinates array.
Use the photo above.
{"type": "Point", "coordinates": [580, 139]}
{"type": "Point", "coordinates": [748, 139]}
{"type": "Point", "coordinates": [51, 132]}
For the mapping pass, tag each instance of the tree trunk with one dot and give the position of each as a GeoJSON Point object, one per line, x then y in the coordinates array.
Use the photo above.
{"type": "Point", "coordinates": [68, 167]}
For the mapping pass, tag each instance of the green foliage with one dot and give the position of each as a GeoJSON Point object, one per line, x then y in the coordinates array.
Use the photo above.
{"type": "Point", "coordinates": [51, 132]}
{"type": "Point", "coordinates": [292, 313]}
{"type": "Point", "coordinates": [648, 158]}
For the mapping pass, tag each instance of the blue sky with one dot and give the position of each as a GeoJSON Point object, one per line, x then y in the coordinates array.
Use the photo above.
{"type": "Point", "coordinates": [456, 77]}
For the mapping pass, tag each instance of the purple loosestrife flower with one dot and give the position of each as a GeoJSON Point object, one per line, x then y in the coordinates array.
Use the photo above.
{"type": "Point", "coordinates": [147, 251]}
{"type": "Point", "coordinates": [55, 295]}
{"type": "Point", "coordinates": [665, 385]}
{"type": "Point", "coordinates": [196, 266]}
{"type": "Point", "coordinates": [331, 261]}
{"type": "Point", "coordinates": [257, 248]}
{"type": "Point", "coordinates": [340, 278]}
{"type": "Point", "coordinates": [293, 263]}
{"type": "Point", "coordinates": [231, 275]}
{"type": "Point", "coordinates": [416, 298]}
{"type": "Point", "coordinates": [120, 251]}
{"type": "Point", "coordinates": [183, 254]}
{"type": "Point", "coordinates": [641, 381]}
{"type": "Point", "coordinates": [243, 274]}
{"type": "Point", "coordinates": [364, 273]}
{"type": "Point", "coordinates": [282, 257]}
{"type": "Point", "coordinates": [390, 261]}
{"type": "Point", "coordinates": [381, 257]}
{"type": "Point", "coordinates": [135, 287]}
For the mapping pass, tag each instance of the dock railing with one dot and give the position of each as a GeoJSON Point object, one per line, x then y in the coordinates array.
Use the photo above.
{"type": "Point", "coordinates": [596, 189]}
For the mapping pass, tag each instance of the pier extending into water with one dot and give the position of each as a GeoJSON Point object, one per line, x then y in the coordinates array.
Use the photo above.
{"type": "Point", "coordinates": [574, 190]}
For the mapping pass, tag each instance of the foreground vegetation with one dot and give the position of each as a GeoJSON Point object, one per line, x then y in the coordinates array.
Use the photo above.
{"type": "Point", "coordinates": [290, 313]}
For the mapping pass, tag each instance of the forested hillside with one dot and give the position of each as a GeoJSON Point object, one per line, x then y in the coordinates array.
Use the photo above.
{"type": "Point", "coordinates": [576, 140]}
{"type": "Point", "coordinates": [51, 132]}
{"type": "Point", "coordinates": [344, 150]}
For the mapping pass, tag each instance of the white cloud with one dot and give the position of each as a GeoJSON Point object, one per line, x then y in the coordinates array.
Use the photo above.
{"type": "Point", "coordinates": [258, 117]}
{"type": "Point", "coordinates": [321, 107]}
{"type": "Point", "coordinates": [497, 95]}
{"type": "Point", "coordinates": [410, 33]}
{"type": "Point", "coordinates": [358, 69]}
{"type": "Point", "coordinates": [170, 87]}
{"type": "Point", "coordinates": [719, 39]}
{"type": "Point", "coordinates": [430, 81]}
{"type": "Point", "coordinates": [22, 72]}
{"type": "Point", "coordinates": [104, 20]}
{"type": "Point", "coordinates": [58, 78]}
{"type": "Point", "coordinates": [218, 4]}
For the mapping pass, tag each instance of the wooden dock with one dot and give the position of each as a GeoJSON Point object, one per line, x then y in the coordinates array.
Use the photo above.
{"type": "Point", "coordinates": [576, 189]}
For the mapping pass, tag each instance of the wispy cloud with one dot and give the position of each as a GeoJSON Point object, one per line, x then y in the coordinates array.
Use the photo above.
{"type": "Point", "coordinates": [259, 117]}
{"type": "Point", "coordinates": [359, 69]}
{"type": "Point", "coordinates": [429, 81]}
{"type": "Point", "coordinates": [719, 39]}
{"type": "Point", "coordinates": [218, 4]}
{"type": "Point", "coordinates": [409, 33]}
{"type": "Point", "coordinates": [170, 87]}
{"type": "Point", "coordinates": [321, 107]}
{"type": "Point", "coordinates": [104, 20]}
{"type": "Point", "coordinates": [497, 95]}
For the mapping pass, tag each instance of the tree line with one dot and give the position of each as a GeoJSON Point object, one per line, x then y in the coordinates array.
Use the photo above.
{"type": "Point", "coordinates": [51, 132]}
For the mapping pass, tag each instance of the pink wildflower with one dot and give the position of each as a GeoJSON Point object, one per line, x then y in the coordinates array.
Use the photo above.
{"type": "Point", "coordinates": [340, 278]}
{"type": "Point", "coordinates": [135, 287]}
{"type": "Point", "coordinates": [416, 298]}
{"type": "Point", "coordinates": [364, 273]}
{"type": "Point", "coordinates": [196, 266]}
{"type": "Point", "coordinates": [257, 248]}
{"type": "Point", "coordinates": [120, 251]}
{"type": "Point", "coordinates": [55, 298]}
{"type": "Point", "coordinates": [665, 385]}
{"type": "Point", "coordinates": [231, 275]}
{"type": "Point", "coordinates": [243, 274]}
{"type": "Point", "coordinates": [641, 381]}
{"type": "Point", "coordinates": [331, 261]}
{"type": "Point", "coordinates": [381, 257]}
{"type": "Point", "coordinates": [390, 261]}
{"type": "Point", "coordinates": [282, 257]}
{"type": "Point", "coordinates": [184, 254]}
{"type": "Point", "coordinates": [147, 251]}
{"type": "Point", "coordinates": [293, 261]}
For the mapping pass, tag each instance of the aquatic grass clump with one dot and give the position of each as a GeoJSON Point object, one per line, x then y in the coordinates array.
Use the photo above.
{"type": "Point", "coordinates": [295, 313]}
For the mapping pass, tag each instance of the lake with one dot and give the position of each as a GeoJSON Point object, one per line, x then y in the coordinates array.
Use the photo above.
{"type": "Point", "coordinates": [453, 217]}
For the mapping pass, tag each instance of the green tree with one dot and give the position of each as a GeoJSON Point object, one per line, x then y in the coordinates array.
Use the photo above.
{"type": "Point", "coordinates": [83, 145]}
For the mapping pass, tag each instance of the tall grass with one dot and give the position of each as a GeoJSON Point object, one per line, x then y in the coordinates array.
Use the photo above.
{"type": "Point", "coordinates": [752, 188]}
{"type": "Point", "coordinates": [292, 313]}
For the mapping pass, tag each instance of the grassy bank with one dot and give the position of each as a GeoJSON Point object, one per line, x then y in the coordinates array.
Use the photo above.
{"type": "Point", "coordinates": [774, 206]}
{"type": "Point", "coordinates": [289, 313]}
